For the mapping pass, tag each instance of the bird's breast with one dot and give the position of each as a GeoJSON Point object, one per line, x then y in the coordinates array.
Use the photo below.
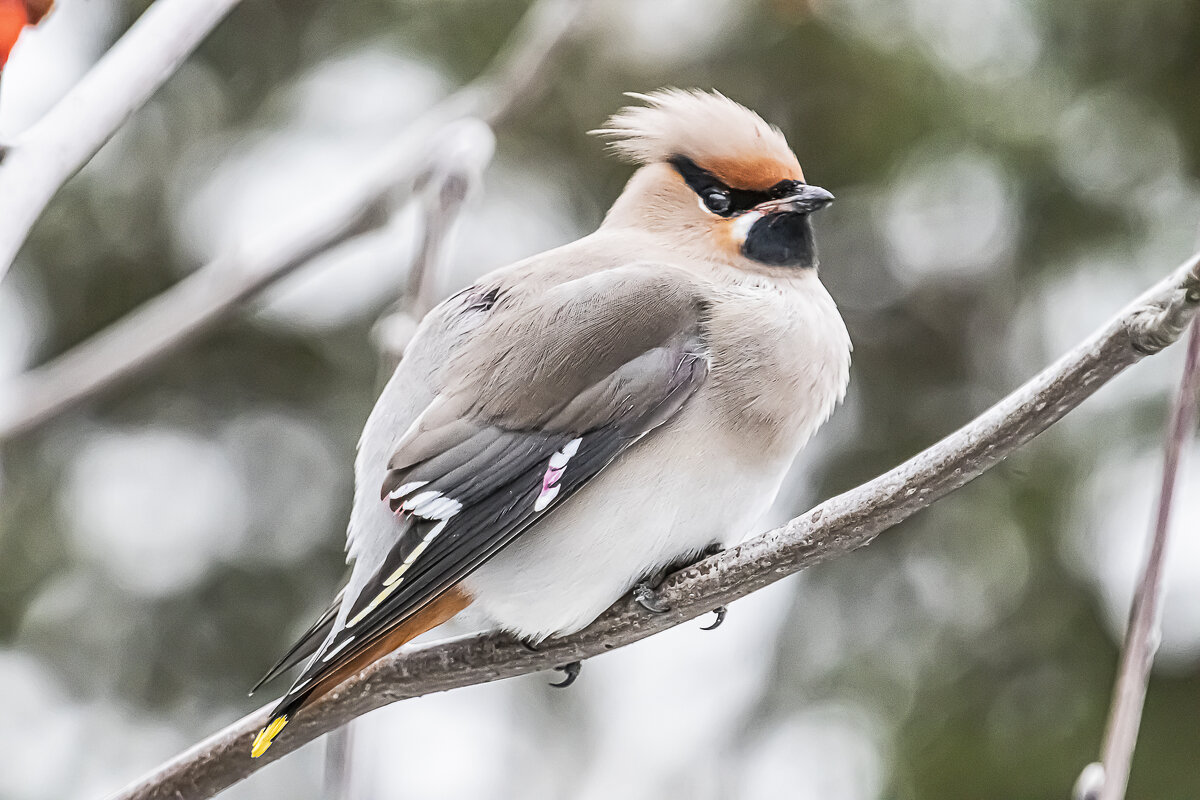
{"type": "Point", "coordinates": [780, 363]}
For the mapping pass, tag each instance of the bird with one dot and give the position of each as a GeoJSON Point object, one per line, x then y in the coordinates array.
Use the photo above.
{"type": "Point", "coordinates": [574, 424]}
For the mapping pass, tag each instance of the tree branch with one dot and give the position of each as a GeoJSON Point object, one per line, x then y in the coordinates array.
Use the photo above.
{"type": "Point", "coordinates": [443, 192]}
{"type": "Point", "coordinates": [42, 158]}
{"type": "Point", "coordinates": [1145, 618]}
{"type": "Point", "coordinates": [217, 290]}
{"type": "Point", "coordinates": [835, 527]}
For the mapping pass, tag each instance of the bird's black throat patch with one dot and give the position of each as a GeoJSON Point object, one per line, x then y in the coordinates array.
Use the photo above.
{"type": "Point", "coordinates": [783, 239]}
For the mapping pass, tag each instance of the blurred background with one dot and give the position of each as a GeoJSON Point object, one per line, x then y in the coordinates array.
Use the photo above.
{"type": "Point", "coordinates": [1009, 173]}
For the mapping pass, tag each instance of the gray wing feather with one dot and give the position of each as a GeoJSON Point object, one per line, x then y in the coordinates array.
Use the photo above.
{"type": "Point", "coordinates": [570, 377]}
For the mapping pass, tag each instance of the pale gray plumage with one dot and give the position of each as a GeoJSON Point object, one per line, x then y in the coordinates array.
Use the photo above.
{"type": "Point", "coordinates": [571, 423]}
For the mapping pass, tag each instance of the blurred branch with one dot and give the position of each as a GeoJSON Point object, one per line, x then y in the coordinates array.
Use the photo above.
{"type": "Point", "coordinates": [835, 527]}
{"type": "Point", "coordinates": [339, 783]}
{"type": "Point", "coordinates": [442, 200]}
{"type": "Point", "coordinates": [42, 158]}
{"type": "Point", "coordinates": [1109, 779]}
{"type": "Point", "coordinates": [219, 289]}
{"type": "Point", "coordinates": [442, 191]}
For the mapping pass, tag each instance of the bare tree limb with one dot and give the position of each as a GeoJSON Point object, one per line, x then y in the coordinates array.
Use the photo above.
{"type": "Point", "coordinates": [219, 289]}
{"type": "Point", "coordinates": [443, 190]}
{"type": "Point", "coordinates": [1110, 780]}
{"type": "Point", "coordinates": [835, 527]}
{"type": "Point", "coordinates": [442, 200]}
{"type": "Point", "coordinates": [42, 158]}
{"type": "Point", "coordinates": [339, 775]}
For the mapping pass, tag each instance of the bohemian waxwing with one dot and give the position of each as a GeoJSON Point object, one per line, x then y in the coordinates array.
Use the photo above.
{"type": "Point", "coordinates": [576, 422]}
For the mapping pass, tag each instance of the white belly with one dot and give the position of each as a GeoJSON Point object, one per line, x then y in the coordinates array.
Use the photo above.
{"type": "Point", "coordinates": [631, 519]}
{"type": "Point", "coordinates": [685, 486]}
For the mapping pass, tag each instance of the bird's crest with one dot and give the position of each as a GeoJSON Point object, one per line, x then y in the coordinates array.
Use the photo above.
{"type": "Point", "coordinates": [722, 136]}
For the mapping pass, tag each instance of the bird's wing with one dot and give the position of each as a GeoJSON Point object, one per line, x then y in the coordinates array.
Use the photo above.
{"type": "Point", "coordinates": [533, 405]}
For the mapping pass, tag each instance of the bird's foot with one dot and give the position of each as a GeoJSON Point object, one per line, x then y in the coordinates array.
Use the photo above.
{"type": "Point", "coordinates": [720, 611]}
{"type": "Point", "coordinates": [648, 598]}
{"type": "Point", "coordinates": [646, 593]}
{"type": "Point", "coordinates": [570, 673]}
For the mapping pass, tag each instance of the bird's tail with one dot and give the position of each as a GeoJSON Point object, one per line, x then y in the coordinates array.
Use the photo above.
{"type": "Point", "coordinates": [433, 614]}
{"type": "Point", "coordinates": [283, 712]}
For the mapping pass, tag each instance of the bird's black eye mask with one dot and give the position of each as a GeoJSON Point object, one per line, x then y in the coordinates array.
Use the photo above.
{"type": "Point", "coordinates": [722, 200]}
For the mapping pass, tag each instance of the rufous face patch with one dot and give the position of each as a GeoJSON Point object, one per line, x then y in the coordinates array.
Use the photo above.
{"type": "Point", "coordinates": [757, 172]}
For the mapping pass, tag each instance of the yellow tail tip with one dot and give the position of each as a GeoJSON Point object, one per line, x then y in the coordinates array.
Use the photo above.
{"type": "Point", "coordinates": [267, 735]}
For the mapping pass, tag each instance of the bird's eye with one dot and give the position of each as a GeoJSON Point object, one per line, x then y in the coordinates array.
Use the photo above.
{"type": "Point", "coordinates": [783, 189]}
{"type": "Point", "coordinates": [717, 201]}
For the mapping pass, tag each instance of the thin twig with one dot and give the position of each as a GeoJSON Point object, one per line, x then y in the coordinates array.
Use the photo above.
{"type": "Point", "coordinates": [339, 746]}
{"type": "Point", "coordinates": [1145, 618]}
{"type": "Point", "coordinates": [441, 202]}
{"type": "Point", "coordinates": [42, 158]}
{"type": "Point", "coordinates": [835, 527]}
{"type": "Point", "coordinates": [216, 291]}
{"type": "Point", "coordinates": [444, 189]}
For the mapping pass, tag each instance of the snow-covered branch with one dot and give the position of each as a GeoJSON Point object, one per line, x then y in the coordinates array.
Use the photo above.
{"type": "Point", "coordinates": [43, 157]}
{"type": "Point", "coordinates": [221, 288]}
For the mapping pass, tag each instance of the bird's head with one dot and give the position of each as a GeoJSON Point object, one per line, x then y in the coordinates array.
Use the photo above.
{"type": "Point", "coordinates": [716, 177]}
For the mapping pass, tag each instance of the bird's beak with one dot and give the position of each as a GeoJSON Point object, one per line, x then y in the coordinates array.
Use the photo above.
{"type": "Point", "coordinates": [805, 201]}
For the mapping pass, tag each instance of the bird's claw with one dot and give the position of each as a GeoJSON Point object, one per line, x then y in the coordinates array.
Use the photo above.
{"type": "Point", "coordinates": [646, 593]}
{"type": "Point", "coordinates": [649, 599]}
{"type": "Point", "coordinates": [720, 611]}
{"type": "Point", "coordinates": [570, 673]}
